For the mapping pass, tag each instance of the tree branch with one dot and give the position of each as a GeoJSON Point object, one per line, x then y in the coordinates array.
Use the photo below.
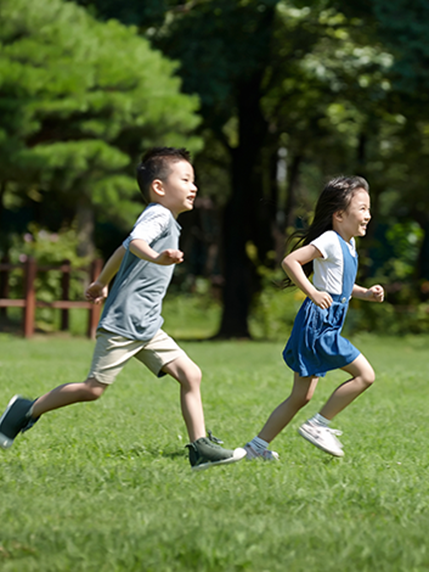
{"type": "Point", "coordinates": [187, 7]}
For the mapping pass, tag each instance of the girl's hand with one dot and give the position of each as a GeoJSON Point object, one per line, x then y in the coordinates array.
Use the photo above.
{"type": "Point", "coordinates": [375, 293]}
{"type": "Point", "coordinates": [321, 299]}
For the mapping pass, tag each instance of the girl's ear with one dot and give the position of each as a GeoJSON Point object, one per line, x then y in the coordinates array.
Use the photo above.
{"type": "Point", "coordinates": [158, 187]}
{"type": "Point", "coordinates": [338, 216]}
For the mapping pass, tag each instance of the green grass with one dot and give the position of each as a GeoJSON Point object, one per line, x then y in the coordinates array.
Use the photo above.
{"type": "Point", "coordinates": [107, 486]}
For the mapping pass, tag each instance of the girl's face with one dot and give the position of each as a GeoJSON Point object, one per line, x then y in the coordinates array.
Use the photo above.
{"type": "Point", "coordinates": [354, 220]}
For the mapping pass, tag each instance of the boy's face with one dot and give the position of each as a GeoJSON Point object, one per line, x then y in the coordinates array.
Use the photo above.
{"type": "Point", "coordinates": [178, 191]}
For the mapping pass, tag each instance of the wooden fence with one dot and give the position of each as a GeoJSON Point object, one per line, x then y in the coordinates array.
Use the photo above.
{"type": "Point", "coordinates": [29, 302]}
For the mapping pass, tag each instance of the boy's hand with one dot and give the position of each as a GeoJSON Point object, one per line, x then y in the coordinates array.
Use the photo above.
{"type": "Point", "coordinates": [375, 293]}
{"type": "Point", "coordinates": [96, 292]}
{"type": "Point", "coordinates": [169, 256]}
{"type": "Point", "coordinates": [322, 299]}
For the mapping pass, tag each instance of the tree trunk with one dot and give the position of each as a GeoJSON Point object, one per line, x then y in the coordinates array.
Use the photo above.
{"type": "Point", "coordinates": [5, 239]}
{"type": "Point", "coordinates": [293, 178]}
{"type": "Point", "coordinates": [3, 185]}
{"type": "Point", "coordinates": [245, 218]}
{"type": "Point", "coordinates": [242, 214]}
{"type": "Point", "coordinates": [85, 229]}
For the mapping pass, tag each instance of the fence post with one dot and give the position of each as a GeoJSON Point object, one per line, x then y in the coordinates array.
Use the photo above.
{"type": "Point", "coordinates": [95, 310]}
{"type": "Point", "coordinates": [4, 285]}
{"type": "Point", "coordinates": [30, 270]}
{"type": "Point", "coordinates": [65, 294]}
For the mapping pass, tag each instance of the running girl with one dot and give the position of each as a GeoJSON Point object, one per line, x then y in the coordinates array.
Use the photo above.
{"type": "Point", "coordinates": [316, 345]}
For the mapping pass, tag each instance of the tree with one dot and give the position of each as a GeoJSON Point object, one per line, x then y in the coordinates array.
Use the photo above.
{"type": "Point", "coordinates": [79, 101]}
{"type": "Point", "coordinates": [256, 68]}
{"type": "Point", "coordinates": [403, 27]}
{"type": "Point", "coordinates": [320, 81]}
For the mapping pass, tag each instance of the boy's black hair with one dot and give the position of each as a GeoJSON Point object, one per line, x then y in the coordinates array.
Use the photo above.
{"type": "Point", "coordinates": [155, 164]}
{"type": "Point", "coordinates": [335, 197]}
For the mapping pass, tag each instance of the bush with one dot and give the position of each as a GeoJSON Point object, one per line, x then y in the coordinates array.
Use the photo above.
{"type": "Point", "coordinates": [48, 249]}
{"type": "Point", "coordinates": [274, 308]}
{"type": "Point", "coordinates": [387, 318]}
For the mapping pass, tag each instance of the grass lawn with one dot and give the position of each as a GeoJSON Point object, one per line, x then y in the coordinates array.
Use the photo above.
{"type": "Point", "coordinates": [107, 486]}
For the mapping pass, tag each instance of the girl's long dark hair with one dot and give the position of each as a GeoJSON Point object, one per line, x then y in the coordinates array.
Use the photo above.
{"type": "Point", "coordinates": [336, 196]}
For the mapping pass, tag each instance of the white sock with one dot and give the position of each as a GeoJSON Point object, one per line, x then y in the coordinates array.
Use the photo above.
{"type": "Point", "coordinates": [259, 444]}
{"type": "Point", "coordinates": [320, 420]}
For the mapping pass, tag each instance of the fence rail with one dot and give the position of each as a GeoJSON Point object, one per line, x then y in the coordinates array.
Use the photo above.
{"type": "Point", "coordinates": [29, 302]}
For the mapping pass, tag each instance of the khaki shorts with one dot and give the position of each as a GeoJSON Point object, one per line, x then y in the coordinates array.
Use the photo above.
{"type": "Point", "coordinates": [112, 352]}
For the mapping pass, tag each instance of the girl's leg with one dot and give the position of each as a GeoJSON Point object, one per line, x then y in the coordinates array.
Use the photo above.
{"type": "Point", "coordinates": [188, 374]}
{"type": "Point", "coordinates": [302, 392]}
{"type": "Point", "coordinates": [68, 394]}
{"type": "Point", "coordinates": [362, 377]}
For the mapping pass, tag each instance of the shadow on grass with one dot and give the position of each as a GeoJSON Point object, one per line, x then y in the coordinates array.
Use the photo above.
{"type": "Point", "coordinates": [143, 451]}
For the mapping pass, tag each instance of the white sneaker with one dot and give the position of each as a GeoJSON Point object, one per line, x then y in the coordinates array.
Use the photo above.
{"type": "Point", "coordinates": [267, 455]}
{"type": "Point", "coordinates": [323, 437]}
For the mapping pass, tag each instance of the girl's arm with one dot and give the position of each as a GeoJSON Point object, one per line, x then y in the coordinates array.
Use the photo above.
{"type": "Point", "coordinates": [373, 294]}
{"type": "Point", "coordinates": [141, 249]}
{"type": "Point", "coordinates": [293, 264]}
{"type": "Point", "coordinates": [97, 290]}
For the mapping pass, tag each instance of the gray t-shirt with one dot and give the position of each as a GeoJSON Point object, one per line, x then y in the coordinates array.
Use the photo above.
{"type": "Point", "coordinates": [133, 307]}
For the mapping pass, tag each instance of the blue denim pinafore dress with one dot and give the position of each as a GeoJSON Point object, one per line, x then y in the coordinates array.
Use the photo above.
{"type": "Point", "coordinates": [316, 344]}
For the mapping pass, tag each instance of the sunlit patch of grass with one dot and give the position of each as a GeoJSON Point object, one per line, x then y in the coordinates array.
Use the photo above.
{"type": "Point", "coordinates": [107, 486]}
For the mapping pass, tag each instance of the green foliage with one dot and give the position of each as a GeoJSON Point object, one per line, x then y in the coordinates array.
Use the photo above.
{"type": "Point", "coordinates": [79, 492]}
{"type": "Point", "coordinates": [388, 318]}
{"type": "Point", "coordinates": [405, 240]}
{"type": "Point", "coordinates": [405, 27]}
{"type": "Point", "coordinates": [48, 249]}
{"type": "Point", "coordinates": [191, 315]}
{"type": "Point", "coordinates": [274, 308]}
{"type": "Point", "coordinates": [337, 86]}
{"type": "Point", "coordinates": [402, 311]}
{"type": "Point", "coordinates": [79, 101]}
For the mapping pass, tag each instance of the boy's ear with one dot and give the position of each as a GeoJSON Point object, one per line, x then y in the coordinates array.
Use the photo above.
{"type": "Point", "coordinates": [158, 187]}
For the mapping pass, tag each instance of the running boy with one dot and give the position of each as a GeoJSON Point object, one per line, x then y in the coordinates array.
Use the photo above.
{"type": "Point", "coordinates": [130, 325]}
{"type": "Point", "coordinates": [316, 345]}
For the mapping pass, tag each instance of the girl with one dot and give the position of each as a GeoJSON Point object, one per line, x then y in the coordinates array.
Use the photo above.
{"type": "Point", "coordinates": [316, 345]}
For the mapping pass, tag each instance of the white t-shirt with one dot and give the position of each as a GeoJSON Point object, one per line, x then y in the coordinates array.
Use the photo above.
{"type": "Point", "coordinates": [328, 270]}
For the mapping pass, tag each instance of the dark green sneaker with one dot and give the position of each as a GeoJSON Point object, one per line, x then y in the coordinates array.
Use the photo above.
{"type": "Point", "coordinates": [15, 419]}
{"type": "Point", "coordinates": [204, 454]}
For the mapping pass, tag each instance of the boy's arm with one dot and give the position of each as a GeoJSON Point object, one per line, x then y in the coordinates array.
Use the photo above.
{"type": "Point", "coordinates": [97, 290]}
{"type": "Point", "coordinates": [293, 264]}
{"type": "Point", "coordinates": [141, 249]}
{"type": "Point", "coordinates": [373, 294]}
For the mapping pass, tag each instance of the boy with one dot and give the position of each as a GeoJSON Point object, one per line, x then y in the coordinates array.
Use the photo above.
{"type": "Point", "coordinates": [130, 325]}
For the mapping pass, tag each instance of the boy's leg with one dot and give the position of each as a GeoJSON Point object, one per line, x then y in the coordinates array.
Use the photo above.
{"type": "Point", "coordinates": [188, 374]}
{"type": "Point", "coordinates": [203, 453]}
{"type": "Point", "coordinates": [110, 355]}
{"type": "Point", "coordinates": [68, 394]}
{"type": "Point", "coordinates": [317, 430]}
{"type": "Point", "coordinates": [21, 414]}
